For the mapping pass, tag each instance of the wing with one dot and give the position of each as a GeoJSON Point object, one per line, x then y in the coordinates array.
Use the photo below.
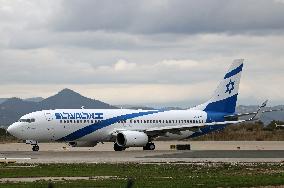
{"type": "Point", "coordinates": [177, 128]}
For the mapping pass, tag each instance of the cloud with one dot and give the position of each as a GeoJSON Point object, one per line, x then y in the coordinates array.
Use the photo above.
{"type": "Point", "coordinates": [123, 65]}
{"type": "Point", "coordinates": [180, 16]}
{"type": "Point", "coordinates": [120, 51]}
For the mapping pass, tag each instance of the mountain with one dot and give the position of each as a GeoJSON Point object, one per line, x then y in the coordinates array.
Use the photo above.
{"type": "Point", "coordinates": [3, 100]}
{"type": "Point", "coordinates": [12, 109]}
{"type": "Point", "coordinates": [70, 99]}
{"type": "Point", "coordinates": [34, 99]}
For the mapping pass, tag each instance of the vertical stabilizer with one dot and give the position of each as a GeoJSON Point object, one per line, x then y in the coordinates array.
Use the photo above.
{"type": "Point", "coordinates": [225, 96]}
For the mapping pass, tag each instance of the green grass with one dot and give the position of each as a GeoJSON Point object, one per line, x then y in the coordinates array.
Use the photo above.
{"type": "Point", "coordinates": [151, 175]}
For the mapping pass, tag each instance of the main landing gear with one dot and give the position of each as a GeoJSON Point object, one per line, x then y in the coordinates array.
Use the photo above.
{"type": "Point", "coordinates": [117, 147]}
{"type": "Point", "coordinates": [35, 147]}
{"type": "Point", "coordinates": [149, 146]}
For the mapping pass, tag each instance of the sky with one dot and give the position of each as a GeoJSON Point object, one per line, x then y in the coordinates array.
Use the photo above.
{"type": "Point", "coordinates": [150, 52]}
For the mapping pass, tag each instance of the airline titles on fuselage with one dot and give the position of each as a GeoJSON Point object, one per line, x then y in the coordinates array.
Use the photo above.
{"type": "Point", "coordinates": [78, 115]}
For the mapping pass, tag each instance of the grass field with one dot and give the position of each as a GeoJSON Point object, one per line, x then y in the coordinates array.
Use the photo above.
{"type": "Point", "coordinates": [149, 175]}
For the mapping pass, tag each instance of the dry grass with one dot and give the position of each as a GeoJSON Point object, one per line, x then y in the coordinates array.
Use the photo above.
{"type": "Point", "coordinates": [5, 137]}
{"type": "Point", "coordinates": [246, 132]}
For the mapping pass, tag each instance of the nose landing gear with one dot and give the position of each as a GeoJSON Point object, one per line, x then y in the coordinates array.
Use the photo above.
{"type": "Point", "coordinates": [35, 148]}
{"type": "Point", "coordinates": [34, 144]}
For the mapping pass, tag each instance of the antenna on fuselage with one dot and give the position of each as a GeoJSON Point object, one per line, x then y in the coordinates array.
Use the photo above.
{"type": "Point", "coordinates": [82, 107]}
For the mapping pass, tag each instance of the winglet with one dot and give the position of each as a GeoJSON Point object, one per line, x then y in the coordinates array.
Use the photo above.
{"type": "Point", "coordinates": [259, 111]}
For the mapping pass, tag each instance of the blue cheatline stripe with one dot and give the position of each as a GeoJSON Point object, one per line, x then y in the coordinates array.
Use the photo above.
{"type": "Point", "coordinates": [104, 123]}
{"type": "Point", "coordinates": [234, 72]}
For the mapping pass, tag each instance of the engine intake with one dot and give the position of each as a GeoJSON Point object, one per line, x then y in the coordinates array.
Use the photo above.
{"type": "Point", "coordinates": [131, 139]}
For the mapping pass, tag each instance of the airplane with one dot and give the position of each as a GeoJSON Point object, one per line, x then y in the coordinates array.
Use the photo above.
{"type": "Point", "coordinates": [280, 126]}
{"type": "Point", "coordinates": [135, 128]}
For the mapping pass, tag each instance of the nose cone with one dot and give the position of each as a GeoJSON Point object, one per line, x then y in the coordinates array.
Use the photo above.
{"type": "Point", "coordinates": [12, 129]}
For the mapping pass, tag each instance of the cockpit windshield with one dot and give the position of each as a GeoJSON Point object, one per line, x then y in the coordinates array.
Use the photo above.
{"type": "Point", "coordinates": [27, 120]}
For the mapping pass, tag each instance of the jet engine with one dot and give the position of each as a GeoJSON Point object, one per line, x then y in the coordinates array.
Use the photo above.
{"type": "Point", "coordinates": [82, 144]}
{"type": "Point", "coordinates": [131, 139]}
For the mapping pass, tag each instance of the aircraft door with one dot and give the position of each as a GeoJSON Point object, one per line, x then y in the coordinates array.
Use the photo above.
{"type": "Point", "coordinates": [50, 127]}
{"type": "Point", "coordinates": [51, 133]}
{"type": "Point", "coordinates": [48, 116]}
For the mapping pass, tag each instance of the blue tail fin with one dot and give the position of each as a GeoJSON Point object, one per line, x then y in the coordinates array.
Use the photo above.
{"type": "Point", "coordinates": [225, 97]}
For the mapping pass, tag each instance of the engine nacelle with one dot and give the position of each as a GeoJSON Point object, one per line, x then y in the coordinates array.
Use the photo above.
{"type": "Point", "coordinates": [82, 144]}
{"type": "Point", "coordinates": [131, 139]}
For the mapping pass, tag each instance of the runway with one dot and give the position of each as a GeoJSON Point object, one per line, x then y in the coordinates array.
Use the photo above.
{"type": "Point", "coordinates": [103, 153]}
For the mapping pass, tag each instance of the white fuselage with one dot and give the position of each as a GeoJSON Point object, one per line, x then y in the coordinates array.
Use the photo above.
{"type": "Point", "coordinates": [99, 125]}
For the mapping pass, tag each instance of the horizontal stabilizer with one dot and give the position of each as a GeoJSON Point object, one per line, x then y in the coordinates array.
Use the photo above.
{"type": "Point", "coordinates": [256, 115]}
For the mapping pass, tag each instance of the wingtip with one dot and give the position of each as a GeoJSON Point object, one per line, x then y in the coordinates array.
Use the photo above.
{"type": "Point", "coordinates": [264, 103]}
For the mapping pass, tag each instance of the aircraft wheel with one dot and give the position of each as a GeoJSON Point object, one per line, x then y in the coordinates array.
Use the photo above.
{"type": "Point", "coordinates": [35, 148]}
{"type": "Point", "coordinates": [116, 147]}
{"type": "Point", "coordinates": [149, 146]}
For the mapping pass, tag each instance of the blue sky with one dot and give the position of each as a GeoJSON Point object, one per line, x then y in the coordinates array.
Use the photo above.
{"type": "Point", "coordinates": [158, 52]}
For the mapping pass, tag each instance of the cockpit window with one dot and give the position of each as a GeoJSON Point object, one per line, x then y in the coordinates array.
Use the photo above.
{"type": "Point", "coordinates": [27, 120]}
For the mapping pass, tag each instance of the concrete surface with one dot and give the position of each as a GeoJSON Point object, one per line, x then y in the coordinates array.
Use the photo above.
{"type": "Point", "coordinates": [209, 151]}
